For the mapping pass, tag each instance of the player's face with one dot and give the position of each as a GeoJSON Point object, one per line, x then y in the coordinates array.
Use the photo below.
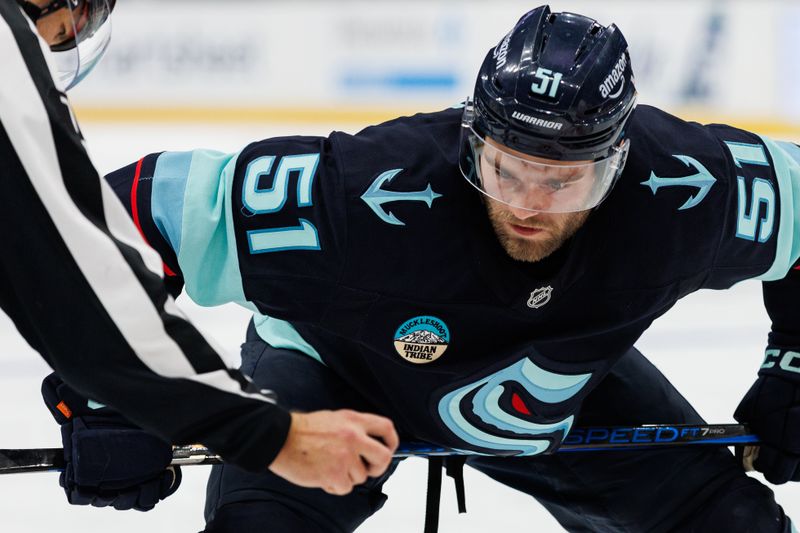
{"type": "Point", "coordinates": [535, 183]}
{"type": "Point", "coordinates": [528, 235]}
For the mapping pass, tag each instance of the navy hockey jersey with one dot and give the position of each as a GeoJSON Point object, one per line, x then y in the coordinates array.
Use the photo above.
{"type": "Point", "coordinates": [371, 253]}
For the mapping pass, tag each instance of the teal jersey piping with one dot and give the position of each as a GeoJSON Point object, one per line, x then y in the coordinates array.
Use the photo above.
{"type": "Point", "coordinates": [281, 334]}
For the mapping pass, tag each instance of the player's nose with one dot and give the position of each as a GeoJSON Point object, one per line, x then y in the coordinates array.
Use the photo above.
{"type": "Point", "coordinates": [522, 213]}
{"type": "Point", "coordinates": [533, 203]}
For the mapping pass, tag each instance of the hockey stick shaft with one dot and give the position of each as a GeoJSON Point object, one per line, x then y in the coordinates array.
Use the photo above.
{"type": "Point", "coordinates": [579, 440]}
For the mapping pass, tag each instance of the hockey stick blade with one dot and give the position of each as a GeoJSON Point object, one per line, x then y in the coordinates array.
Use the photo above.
{"type": "Point", "coordinates": [579, 440]}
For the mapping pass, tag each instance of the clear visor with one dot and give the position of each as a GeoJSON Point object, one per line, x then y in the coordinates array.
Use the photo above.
{"type": "Point", "coordinates": [78, 33]}
{"type": "Point", "coordinates": [536, 184]}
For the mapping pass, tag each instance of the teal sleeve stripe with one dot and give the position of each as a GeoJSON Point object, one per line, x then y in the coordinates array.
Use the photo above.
{"type": "Point", "coordinates": [786, 160]}
{"type": "Point", "coordinates": [208, 257]}
{"type": "Point", "coordinates": [281, 334]}
{"type": "Point", "coordinates": [166, 204]}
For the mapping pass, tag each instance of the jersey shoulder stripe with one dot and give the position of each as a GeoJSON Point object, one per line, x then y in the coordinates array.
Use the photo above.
{"type": "Point", "coordinates": [786, 161]}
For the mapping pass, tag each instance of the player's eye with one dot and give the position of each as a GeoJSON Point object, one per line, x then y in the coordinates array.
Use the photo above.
{"type": "Point", "coordinates": [505, 175]}
{"type": "Point", "coordinates": [61, 36]}
{"type": "Point", "coordinates": [508, 179]}
{"type": "Point", "coordinates": [557, 185]}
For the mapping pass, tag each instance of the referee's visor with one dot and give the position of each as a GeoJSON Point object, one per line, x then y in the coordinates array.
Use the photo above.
{"type": "Point", "coordinates": [77, 31]}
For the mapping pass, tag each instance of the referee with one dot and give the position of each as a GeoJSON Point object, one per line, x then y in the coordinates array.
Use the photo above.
{"type": "Point", "coordinates": [88, 294]}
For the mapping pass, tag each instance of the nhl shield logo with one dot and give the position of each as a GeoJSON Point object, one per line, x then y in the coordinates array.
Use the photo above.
{"type": "Point", "coordinates": [422, 339]}
{"type": "Point", "coordinates": [540, 297]}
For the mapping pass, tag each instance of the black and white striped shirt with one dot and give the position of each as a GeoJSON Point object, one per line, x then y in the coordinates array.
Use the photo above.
{"type": "Point", "coordinates": [84, 289]}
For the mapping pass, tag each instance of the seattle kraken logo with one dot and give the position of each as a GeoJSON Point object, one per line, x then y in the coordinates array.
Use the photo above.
{"type": "Point", "coordinates": [703, 180]}
{"type": "Point", "coordinates": [374, 197]}
{"type": "Point", "coordinates": [502, 430]}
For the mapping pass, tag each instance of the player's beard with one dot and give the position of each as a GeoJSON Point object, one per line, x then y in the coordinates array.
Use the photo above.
{"type": "Point", "coordinates": [557, 228]}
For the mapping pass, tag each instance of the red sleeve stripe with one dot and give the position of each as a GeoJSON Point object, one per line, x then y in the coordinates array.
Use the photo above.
{"type": "Point", "coordinates": [135, 210]}
{"type": "Point", "coordinates": [134, 202]}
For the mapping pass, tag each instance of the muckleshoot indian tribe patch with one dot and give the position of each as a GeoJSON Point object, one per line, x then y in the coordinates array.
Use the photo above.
{"type": "Point", "coordinates": [422, 339]}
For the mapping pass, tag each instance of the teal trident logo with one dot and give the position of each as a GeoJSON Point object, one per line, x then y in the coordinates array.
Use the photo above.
{"type": "Point", "coordinates": [703, 180]}
{"type": "Point", "coordinates": [375, 197]}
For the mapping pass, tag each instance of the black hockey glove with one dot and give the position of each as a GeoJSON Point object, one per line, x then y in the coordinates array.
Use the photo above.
{"type": "Point", "coordinates": [108, 460]}
{"type": "Point", "coordinates": [772, 409]}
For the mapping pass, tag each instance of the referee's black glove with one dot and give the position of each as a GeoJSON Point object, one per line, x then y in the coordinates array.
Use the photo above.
{"type": "Point", "coordinates": [108, 460]}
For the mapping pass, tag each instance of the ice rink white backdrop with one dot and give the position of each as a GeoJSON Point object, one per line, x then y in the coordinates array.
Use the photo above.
{"type": "Point", "coordinates": [183, 74]}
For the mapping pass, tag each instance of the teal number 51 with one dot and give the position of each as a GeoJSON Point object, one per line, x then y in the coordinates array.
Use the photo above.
{"type": "Point", "coordinates": [271, 200]}
{"type": "Point", "coordinates": [753, 226]}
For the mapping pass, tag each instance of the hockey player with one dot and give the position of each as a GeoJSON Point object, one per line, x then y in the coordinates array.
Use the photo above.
{"type": "Point", "coordinates": [88, 295]}
{"type": "Point", "coordinates": [495, 313]}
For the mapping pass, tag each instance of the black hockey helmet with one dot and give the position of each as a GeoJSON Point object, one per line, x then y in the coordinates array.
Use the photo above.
{"type": "Point", "coordinates": [559, 88]}
{"type": "Point", "coordinates": [77, 31]}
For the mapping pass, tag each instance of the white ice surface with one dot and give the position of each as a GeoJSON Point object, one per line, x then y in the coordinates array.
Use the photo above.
{"type": "Point", "coordinates": [709, 345]}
